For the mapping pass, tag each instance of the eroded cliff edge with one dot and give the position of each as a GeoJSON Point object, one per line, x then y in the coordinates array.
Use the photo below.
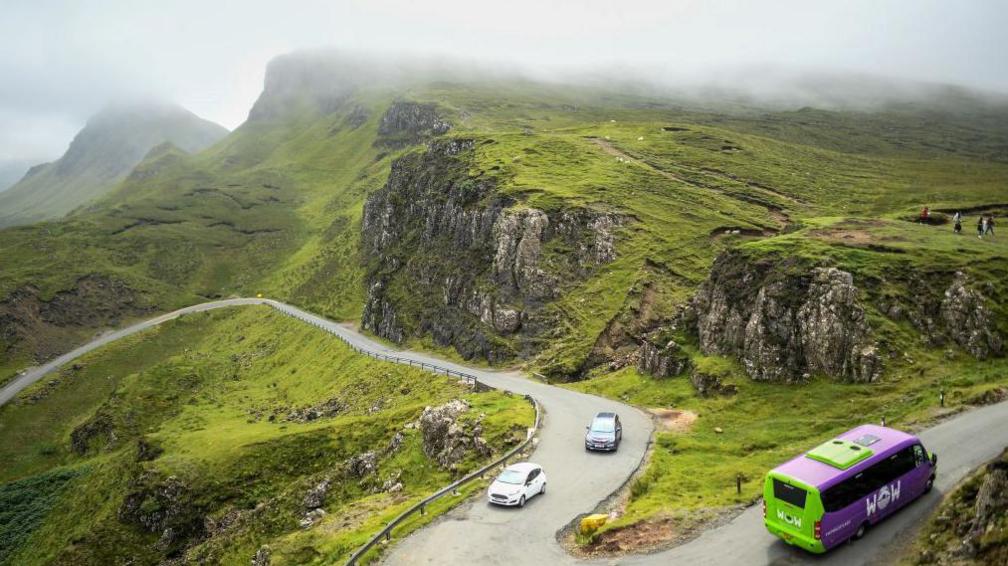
{"type": "Point", "coordinates": [449, 254]}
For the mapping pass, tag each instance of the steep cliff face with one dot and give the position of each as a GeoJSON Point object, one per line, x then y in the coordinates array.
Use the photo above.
{"type": "Point", "coordinates": [784, 320]}
{"type": "Point", "coordinates": [407, 123]}
{"type": "Point", "coordinates": [448, 255]}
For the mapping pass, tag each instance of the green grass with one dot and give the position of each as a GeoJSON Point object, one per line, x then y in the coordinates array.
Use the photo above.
{"type": "Point", "coordinates": [764, 425]}
{"type": "Point", "coordinates": [276, 208]}
{"type": "Point", "coordinates": [24, 504]}
{"type": "Point", "coordinates": [208, 396]}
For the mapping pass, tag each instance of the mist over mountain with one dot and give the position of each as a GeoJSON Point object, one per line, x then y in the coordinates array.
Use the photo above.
{"type": "Point", "coordinates": [320, 78]}
{"type": "Point", "coordinates": [103, 153]}
{"type": "Point", "coordinates": [11, 171]}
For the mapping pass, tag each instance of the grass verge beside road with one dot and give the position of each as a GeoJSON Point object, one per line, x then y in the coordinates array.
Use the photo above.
{"type": "Point", "coordinates": [200, 424]}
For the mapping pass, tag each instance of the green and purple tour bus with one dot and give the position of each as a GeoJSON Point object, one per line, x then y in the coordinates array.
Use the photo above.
{"type": "Point", "coordinates": [835, 491]}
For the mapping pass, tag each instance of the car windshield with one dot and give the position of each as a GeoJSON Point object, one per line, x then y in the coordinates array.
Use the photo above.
{"type": "Point", "coordinates": [512, 476]}
{"type": "Point", "coordinates": [603, 425]}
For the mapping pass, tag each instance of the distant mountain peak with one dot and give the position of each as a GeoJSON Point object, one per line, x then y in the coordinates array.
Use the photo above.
{"type": "Point", "coordinates": [112, 143]}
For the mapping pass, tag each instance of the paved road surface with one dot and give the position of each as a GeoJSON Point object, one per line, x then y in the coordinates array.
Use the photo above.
{"type": "Point", "coordinates": [476, 533]}
{"type": "Point", "coordinates": [34, 374]}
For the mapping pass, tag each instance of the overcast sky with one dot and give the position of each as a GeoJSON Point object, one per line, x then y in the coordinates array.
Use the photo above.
{"type": "Point", "coordinates": [60, 61]}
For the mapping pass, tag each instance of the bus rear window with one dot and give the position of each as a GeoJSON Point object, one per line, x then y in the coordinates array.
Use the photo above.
{"type": "Point", "coordinates": [789, 493]}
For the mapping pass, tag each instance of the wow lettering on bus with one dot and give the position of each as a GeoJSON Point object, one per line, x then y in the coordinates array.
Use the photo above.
{"type": "Point", "coordinates": [789, 519]}
{"type": "Point", "coordinates": [881, 499]}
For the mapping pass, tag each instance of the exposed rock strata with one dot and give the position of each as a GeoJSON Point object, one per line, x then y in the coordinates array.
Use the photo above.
{"type": "Point", "coordinates": [407, 123]}
{"type": "Point", "coordinates": [785, 321]}
{"type": "Point", "coordinates": [447, 255]}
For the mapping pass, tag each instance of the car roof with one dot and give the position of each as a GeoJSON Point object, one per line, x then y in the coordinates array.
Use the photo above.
{"type": "Point", "coordinates": [523, 467]}
{"type": "Point", "coordinates": [605, 416]}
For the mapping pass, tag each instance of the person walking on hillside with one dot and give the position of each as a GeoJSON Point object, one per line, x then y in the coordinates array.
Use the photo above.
{"type": "Point", "coordinates": [981, 226]}
{"type": "Point", "coordinates": [957, 222]}
{"type": "Point", "coordinates": [989, 229]}
{"type": "Point", "coordinates": [924, 215]}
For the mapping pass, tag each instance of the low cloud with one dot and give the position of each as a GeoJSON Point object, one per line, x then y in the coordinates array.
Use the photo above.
{"type": "Point", "coordinates": [65, 60]}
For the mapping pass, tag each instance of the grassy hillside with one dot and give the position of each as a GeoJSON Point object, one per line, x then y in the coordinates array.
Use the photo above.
{"type": "Point", "coordinates": [192, 440]}
{"type": "Point", "coordinates": [276, 208]}
{"type": "Point", "coordinates": [101, 155]}
{"type": "Point", "coordinates": [762, 425]}
{"type": "Point", "coordinates": [272, 209]}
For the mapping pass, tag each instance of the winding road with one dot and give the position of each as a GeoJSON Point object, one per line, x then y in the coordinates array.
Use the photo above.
{"type": "Point", "coordinates": [476, 533]}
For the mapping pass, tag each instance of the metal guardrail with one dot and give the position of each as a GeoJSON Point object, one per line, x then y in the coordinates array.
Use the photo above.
{"type": "Point", "coordinates": [471, 380]}
{"type": "Point", "coordinates": [420, 507]}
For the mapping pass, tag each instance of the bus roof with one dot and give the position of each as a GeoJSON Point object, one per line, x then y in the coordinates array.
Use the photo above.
{"type": "Point", "coordinates": [828, 463]}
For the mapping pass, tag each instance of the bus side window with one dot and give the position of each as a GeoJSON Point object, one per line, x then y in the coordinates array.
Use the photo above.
{"type": "Point", "coordinates": [918, 455]}
{"type": "Point", "coordinates": [903, 462]}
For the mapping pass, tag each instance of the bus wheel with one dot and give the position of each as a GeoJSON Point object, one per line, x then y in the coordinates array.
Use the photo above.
{"type": "Point", "coordinates": [860, 531]}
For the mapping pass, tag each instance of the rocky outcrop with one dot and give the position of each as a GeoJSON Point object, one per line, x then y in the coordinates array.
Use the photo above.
{"type": "Point", "coordinates": [97, 433]}
{"type": "Point", "coordinates": [30, 322]}
{"type": "Point", "coordinates": [968, 319]}
{"type": "Point", "coordinates": [449, 256]}
{"type": "Point", "coordinates": [315, 497]}
{"type": "Point", "coordinates": [784, 320]}
{"type": "Point", "coordinates": [329, 408]}
{"type": "Point", "coordinates": [392, 484]}
{"type": "Point", "coordinates": [163, 505]}
{"type": "Point", "coordinates": [362, 465]}
{"type": "Point", "coordinates": [408, 123]}
{"type": "Point", "coordinates": [664, 360]}
{"type": "Point", "coordinates": [519, 236]}
{"type": "Point", "coordinates": [970, 526]}
{"type": "Point", "coordinates": [262, 556]}
{"type": "Point", "coordinates": [708, 385]}
{"type": "Point", "coordinates": [834, 331]}
{"type": "Point", "coordinates": [445, 439]}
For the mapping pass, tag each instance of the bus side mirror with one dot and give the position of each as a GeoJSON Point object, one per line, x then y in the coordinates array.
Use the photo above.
{"type": "Point", "coordinates": [934, 459]}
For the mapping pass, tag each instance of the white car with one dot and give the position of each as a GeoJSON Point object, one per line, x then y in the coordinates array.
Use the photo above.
{"type": "Point", "coordinates": [517, 484]}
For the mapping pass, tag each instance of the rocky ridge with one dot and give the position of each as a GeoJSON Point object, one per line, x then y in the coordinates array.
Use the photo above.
{"type": "Point", "coordinates": [481, 262]}
{"type": "Point", "coordinates": [783, 321]}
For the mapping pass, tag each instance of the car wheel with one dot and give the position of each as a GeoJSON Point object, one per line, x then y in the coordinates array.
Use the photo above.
{"type": "Point", "coordinates": [862, 528]}
{"type": "Point", "coordinates": [929, 485]}
{"type": "Point", "coordinates": [521, 501]}
{"type": "Point", "coordinates": [542, 489]}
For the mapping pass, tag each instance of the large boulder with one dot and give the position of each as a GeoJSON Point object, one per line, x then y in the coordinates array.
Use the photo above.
{"type": "Point", "coordinates": [968, 319]}
{"type": "Point", "coordinates": [315, 497]}
{"type": "Point", "coordinates": [362, 465]}
{"type": "Point", "coordinates": [445, 439]}
{"type": "Point", "coordinates": [834, 330]}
